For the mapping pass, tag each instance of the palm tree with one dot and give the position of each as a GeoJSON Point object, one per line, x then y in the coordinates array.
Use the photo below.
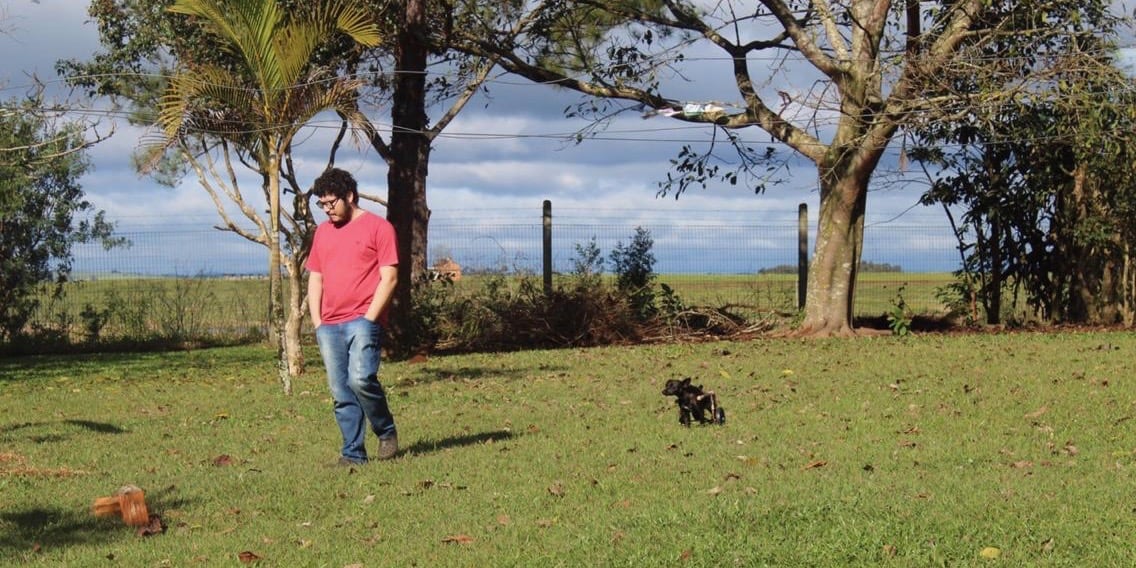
{"type": "Point", "coordinates": [258, 107]}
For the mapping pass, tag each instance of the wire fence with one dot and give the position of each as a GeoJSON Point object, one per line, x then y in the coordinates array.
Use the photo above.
{"type": "Point", "coordinates": [186, 273]}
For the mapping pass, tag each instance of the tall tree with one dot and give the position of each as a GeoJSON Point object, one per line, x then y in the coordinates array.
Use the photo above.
{"type": "Point", "coordinates": [43, 212]}
{"type": "Point", "coordinates": [1044, 179]}
{"type": "Point", "coordinates": [256, 110]}
{"type": "Point", "coordinates": [874, 61]}
{"type": "Point", "coordinates": [141, 43]}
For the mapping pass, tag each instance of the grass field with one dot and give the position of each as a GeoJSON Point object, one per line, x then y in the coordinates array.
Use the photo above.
{"type": "Point", "coordinates": [917, 451]}
{"type": "Point", "coordinates": [143, 308]}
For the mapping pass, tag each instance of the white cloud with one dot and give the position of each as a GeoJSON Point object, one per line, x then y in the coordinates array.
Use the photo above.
{"type": "Point", "coordinates": [503, 155]}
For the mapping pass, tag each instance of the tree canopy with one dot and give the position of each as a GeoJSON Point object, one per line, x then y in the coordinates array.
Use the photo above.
{"type": "Point", "coordinates": [867, 69]}
{"type": "Point", "coordinates": [43, 211]}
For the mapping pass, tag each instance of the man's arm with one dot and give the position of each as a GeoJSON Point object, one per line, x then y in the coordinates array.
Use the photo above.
{"type": "Point", "coordinates": [384, 292]}
{"type": "Point", "coordinates": [315, 296]}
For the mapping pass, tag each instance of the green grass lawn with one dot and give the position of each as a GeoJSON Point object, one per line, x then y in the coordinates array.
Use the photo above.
{"type": "Point", "coordinates": [919, 451]}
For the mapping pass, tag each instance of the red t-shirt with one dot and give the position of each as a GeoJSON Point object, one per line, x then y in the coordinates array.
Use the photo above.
{"type": "Point", "coordinates": [349, 258]}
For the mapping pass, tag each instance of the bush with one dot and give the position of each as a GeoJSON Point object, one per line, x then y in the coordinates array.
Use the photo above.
{"type": "Point", "coordinates": [635, 273]}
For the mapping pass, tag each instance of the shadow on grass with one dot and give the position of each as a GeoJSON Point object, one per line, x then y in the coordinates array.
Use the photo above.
{"type": "Point", "coordinates": [35, 431]}
{"type": "Point", "coordinates": [430, 445]}
{"type": "Point", "coordinates": [27, 532]}
{"type": "Point", "coordinates": [428, 375]}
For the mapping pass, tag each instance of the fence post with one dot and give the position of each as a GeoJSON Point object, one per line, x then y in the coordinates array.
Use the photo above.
{"type": "Point", "coordinates": [802, 254]}
{"type": "Point", "coordinates": [547, 222]}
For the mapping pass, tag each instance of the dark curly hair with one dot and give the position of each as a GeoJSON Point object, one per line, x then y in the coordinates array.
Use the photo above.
{"type": "Point", "coordinates": [338, 183]}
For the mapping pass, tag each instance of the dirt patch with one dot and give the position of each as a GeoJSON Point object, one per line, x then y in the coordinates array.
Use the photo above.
{"type": "Point", "coordinates": [16, 465]}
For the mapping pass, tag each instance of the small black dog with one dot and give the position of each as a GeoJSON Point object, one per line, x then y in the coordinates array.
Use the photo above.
{"type": "Point", "coordinates": [693, 402]}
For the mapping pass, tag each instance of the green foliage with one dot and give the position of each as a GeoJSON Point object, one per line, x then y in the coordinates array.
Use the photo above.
{"type": "Point", "coordinates": [94, 320]}
{"type": "Point", "coordinates": [588, 261]}
{"type": "Point", "coordinates": [515, 311]}
{"type": "Point", "coordinates": [1044, 180]}
{"type": "Point", "coordinates": [899, 317]}
{"type": "Point", "coordinates": [634, 267]}
{"type": "Point", "coordinates": [43, 212]}
{"type": "Point", "coordinates": [959, 297]}
{"type": "Point", "coordinates": [145, 314]}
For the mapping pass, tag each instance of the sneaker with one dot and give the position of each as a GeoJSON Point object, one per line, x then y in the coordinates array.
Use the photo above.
{"type": "Point", "coordinates": [346, 461]}
{"type": "Point", "coordinates": [388, 447]}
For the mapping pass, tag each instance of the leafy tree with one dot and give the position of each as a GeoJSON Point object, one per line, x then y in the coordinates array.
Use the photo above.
{"type": "Point", "coordinates": [876, 65]}
{"type": "Point", "coordinates": [42, 209]}
{"type": "Point", "coordinates": [1044, 178]}
{"type": "Point", "coordinates": [634, 267]}
{"type": "Point", "coordinates": [255, 110]}
{"type": "Point", "coordinates": [142, 43]}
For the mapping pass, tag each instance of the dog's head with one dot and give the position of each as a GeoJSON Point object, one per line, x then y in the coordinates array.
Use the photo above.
{"type": "Point", "coordinates": [675, 387]}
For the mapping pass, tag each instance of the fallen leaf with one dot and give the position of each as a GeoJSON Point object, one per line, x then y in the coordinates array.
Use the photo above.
{"type": "Point", "coordinates": [686, 555]}
{"type": "Point", "coordinates": [714, 490]}
{"type": "Point", "coordinates": [248, 557]}
{"type": "Point", "coordinates": [369, 499]}
{"type": "Point", "coordinates": [155, 526]}
{"type": "Point", "coordinates": [556, 489]}
{"type": "Point", "coordinates": [504, 520]}
{"type": "Point", "coordinates": [990, 553]}
{"type": "Point", "coordinates": [1047, 546]}
{"type": "Point", "coordinates": [816, 464]}
{"type": "Point", "coordinates": [1023, 464]}
{"type": "Point", "coordinates": [458, 539]}
{"type": "Point", "coordinates": [545, 523]}
{"type": "Point", "coordinates": [890, 551]}
{"type": "Point", "coordinates": [1037, 412]}
{"type": "Point", "coordinates": [223, 460]}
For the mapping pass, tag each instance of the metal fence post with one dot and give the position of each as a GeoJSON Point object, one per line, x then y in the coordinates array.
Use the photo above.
{"type": "Point", "coordinates": [802, 254]}
{"type": "Point", "coordinates": [547, 222]}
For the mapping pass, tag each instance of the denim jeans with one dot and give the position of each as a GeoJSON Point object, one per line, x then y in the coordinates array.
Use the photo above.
{"type": "Point", "coordinates": [350, 352]}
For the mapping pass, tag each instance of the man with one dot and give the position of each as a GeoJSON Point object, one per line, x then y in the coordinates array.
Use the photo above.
{"type": "Point", "coordinates": [353, 270]}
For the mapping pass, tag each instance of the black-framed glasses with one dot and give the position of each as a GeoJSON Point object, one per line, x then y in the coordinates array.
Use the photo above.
{"type": "Point", "coordinates": [328, 205]}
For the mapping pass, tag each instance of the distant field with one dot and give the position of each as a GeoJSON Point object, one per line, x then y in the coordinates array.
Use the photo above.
{"type": "Point", "coordinates": [141, 307]}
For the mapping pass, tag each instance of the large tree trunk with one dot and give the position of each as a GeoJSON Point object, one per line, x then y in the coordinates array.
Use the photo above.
{"type": "Point", "coordinates": [406, 176]}
{"type": "Point", "coordinates": [275, 280]}
{"type": "Point", "coordinates": [293, 326]}
{"type": "Point", "coordinates": [831, 294]}
{"type": "Point", "coordinates": [832, 273]}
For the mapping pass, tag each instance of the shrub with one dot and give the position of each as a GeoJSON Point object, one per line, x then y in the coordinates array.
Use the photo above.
{"type": "Point", "coordinates": [634, 267]}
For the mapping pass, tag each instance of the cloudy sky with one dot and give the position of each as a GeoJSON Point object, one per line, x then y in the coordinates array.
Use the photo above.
{"type": "Point", "coordinates": [495, 164]}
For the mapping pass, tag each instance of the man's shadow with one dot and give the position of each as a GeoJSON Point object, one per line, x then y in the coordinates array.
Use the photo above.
{"type": "Point", "coordinates": [431, 445]}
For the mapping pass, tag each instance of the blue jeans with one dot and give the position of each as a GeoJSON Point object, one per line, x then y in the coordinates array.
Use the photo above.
{"type": "Point", "coordinates": [350, 352]}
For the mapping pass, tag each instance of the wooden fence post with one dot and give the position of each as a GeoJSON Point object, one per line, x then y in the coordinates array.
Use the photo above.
{"type": "Point", "coordinates": [802, 254]}
{"type": "Point", "coordinates": [547, 221]}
